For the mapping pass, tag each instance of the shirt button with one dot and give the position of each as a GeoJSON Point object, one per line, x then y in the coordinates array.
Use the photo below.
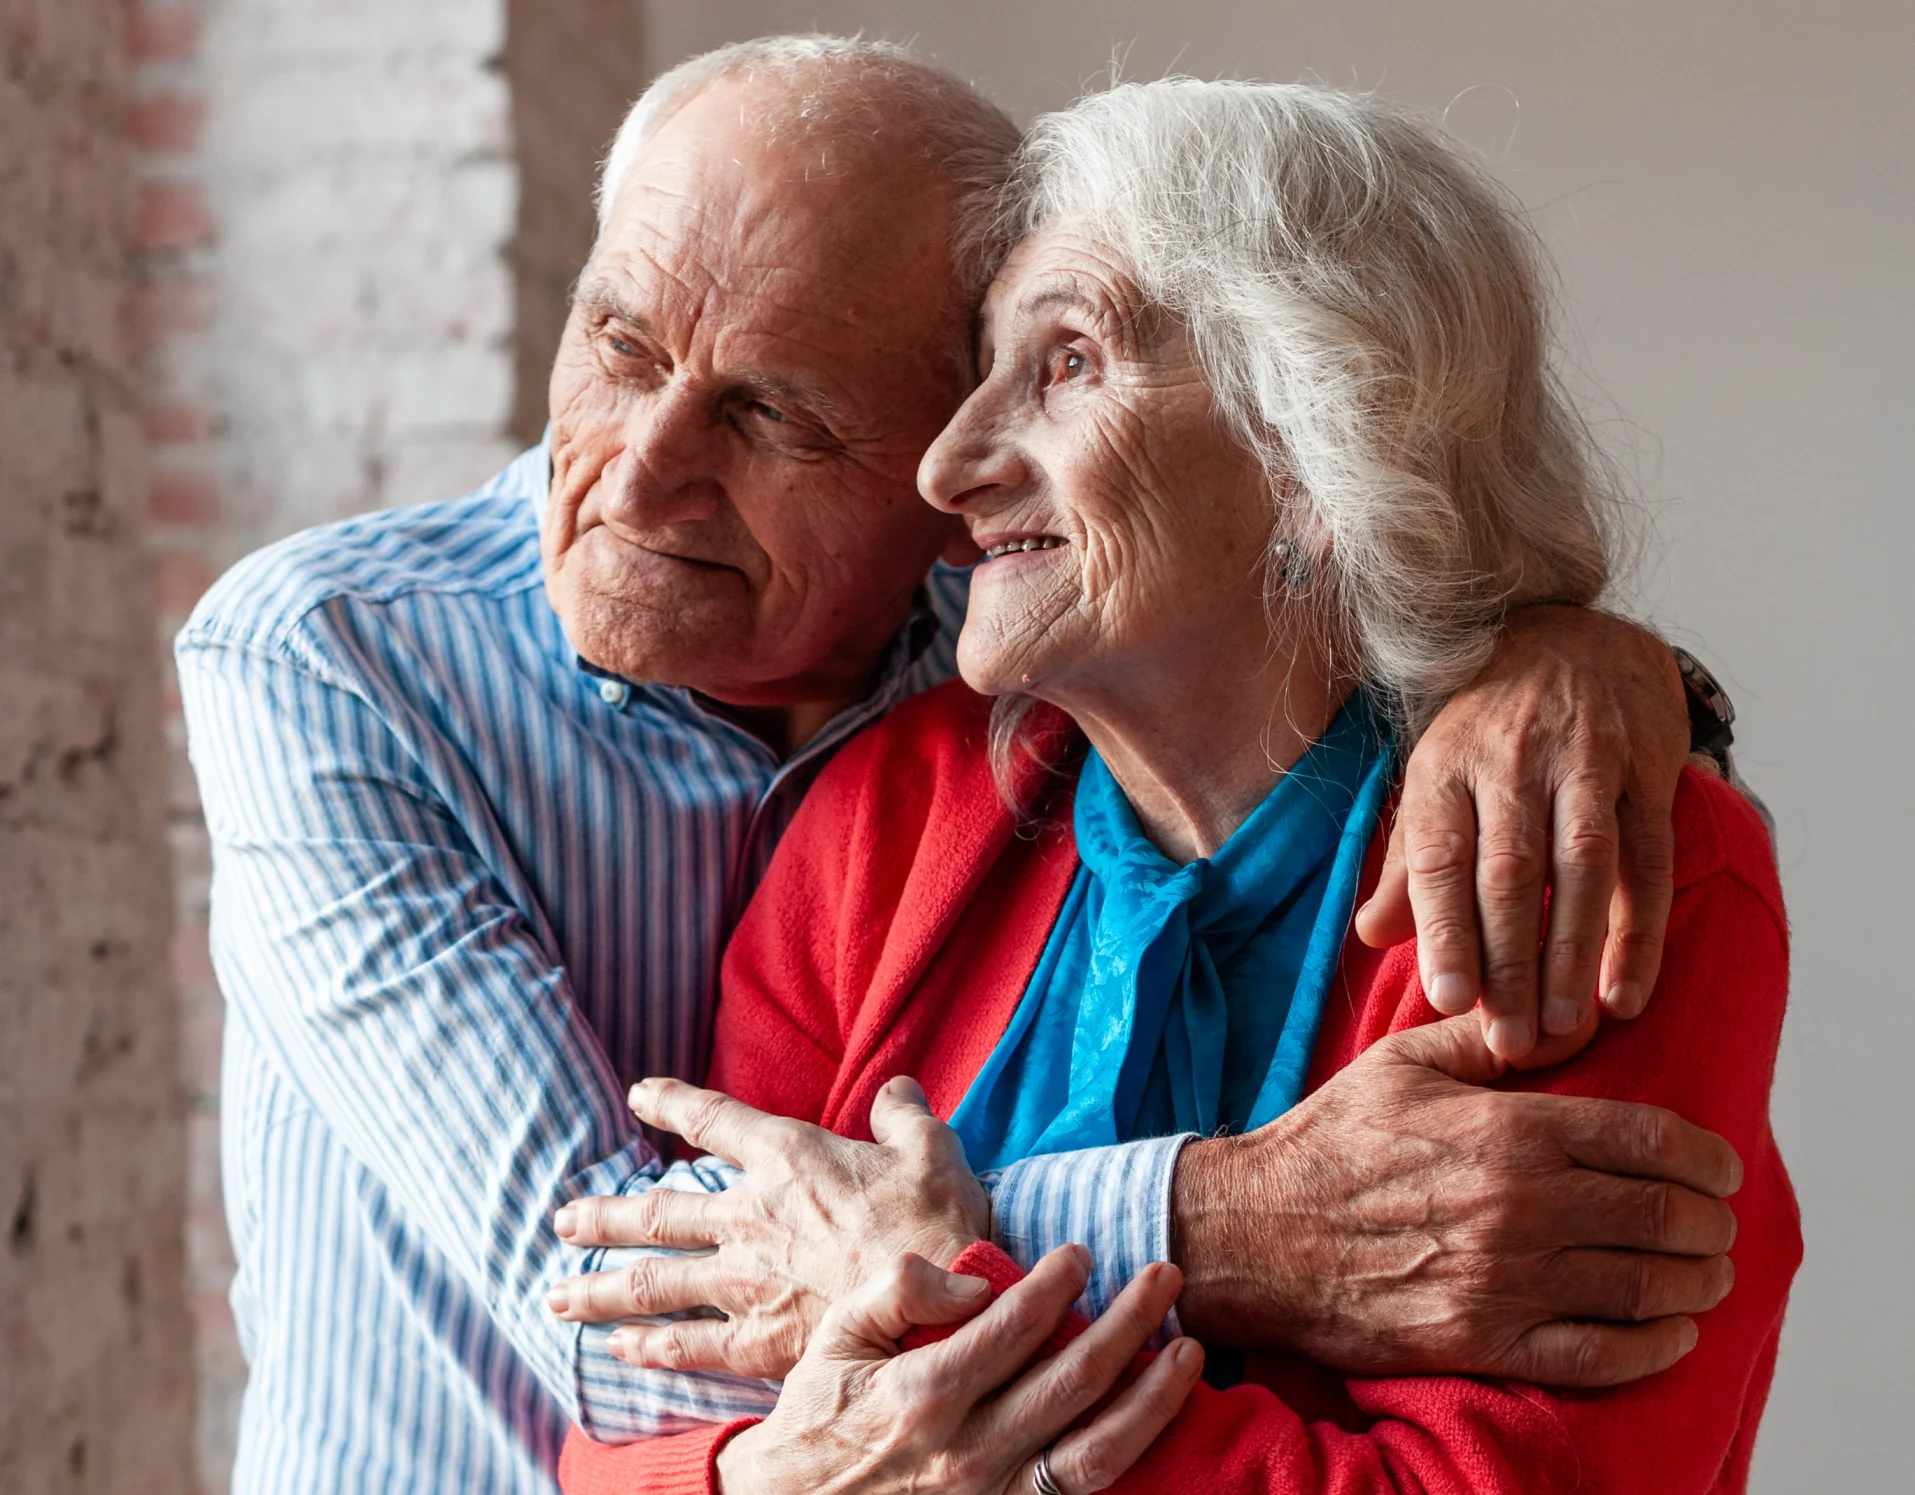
{"type": "Point", "coordinates": [613, 692]}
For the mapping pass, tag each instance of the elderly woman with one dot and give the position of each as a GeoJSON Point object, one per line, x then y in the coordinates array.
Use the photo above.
{"type": "Point", "coordinates": [1264, 446]}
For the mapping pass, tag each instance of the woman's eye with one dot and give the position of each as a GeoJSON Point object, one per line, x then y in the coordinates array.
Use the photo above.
{"type": "Point", "coordinates": [1068, 364]}
{"type": "Point", "coordinates": [619, 346]}
{"type": "Point", "coordinates": [768, 412]}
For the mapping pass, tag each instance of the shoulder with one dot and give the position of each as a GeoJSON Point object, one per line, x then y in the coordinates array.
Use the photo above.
{"type": "Point", "coordinates": [931, 755]}
{"type": "Point", "coordinates": [1727, 925]}
{"type": "Point", "coordinates": [1723, 846]}
{"type": "Point", "coordinates": [944, 731]}
{"type": "Point", "coordinates": [485, 543]}
{"type": "Point", "coordinates": [925, 761]}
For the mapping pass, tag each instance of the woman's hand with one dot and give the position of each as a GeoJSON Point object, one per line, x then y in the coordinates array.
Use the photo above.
{"type": "Point", "coordinates": [963, 1416]}
{"type": "Point", "coordinates": [814, 1216]}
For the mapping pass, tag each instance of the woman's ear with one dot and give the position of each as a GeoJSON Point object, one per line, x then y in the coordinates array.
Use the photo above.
{"type": "Point", "coordinates": [958, 549]}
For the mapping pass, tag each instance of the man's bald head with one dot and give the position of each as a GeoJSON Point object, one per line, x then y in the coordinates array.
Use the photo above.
{"type": "Point", "coordinates": [842, 95]}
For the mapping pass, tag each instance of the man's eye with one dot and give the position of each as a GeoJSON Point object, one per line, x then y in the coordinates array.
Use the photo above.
{"type": "Point", "coordinates": [1068, 364]}
{"type": "Point", "coordinates": [619, 346]}
{"type": "Point", "coordinates": [768, 412]}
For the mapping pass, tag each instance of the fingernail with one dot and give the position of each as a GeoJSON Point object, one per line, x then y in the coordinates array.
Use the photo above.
{"type": "Point", "coordinates": [566, 1221]}
{"type": "Point", "coordinates": [1083, 1256]}
{"type": "Point", "coordinates": [1450, 993]}
{"type": "Point", "coordinates": [622, 1343]}
{"type": "Point", "coordinates": [1560, 1015]}
{"type": "Point", "coordinates": [1187, 1355]}
{"type": "Point", "coordinates": [1687, 1335]}
{"type": "Point", "coordinates": [1509, 1037]}
{"type": "Point", "coordinates": [1625, 998]}
{"type": "Point", "coordinates": [1728, 1278]}
{"type": "Point", "coordinates": [559, 1299]}
{"type": "Point", "coordinates": [963, 1286]}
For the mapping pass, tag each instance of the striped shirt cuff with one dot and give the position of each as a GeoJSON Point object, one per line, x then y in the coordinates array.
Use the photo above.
{"type": "Point", "coordinates": [1115, 1200]}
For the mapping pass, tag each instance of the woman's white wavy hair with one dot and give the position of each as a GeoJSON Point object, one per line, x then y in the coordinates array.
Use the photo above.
{"type": "Point", "coordinates": [1369, 309]}
{"type": "Point", "coordinates": [852, 85]}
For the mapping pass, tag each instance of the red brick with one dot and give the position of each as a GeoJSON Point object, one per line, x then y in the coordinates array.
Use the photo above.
{"type": "Point", "coordinates": [181, 581]}
{"type": "Point", "coordinates": [187, 497]}
{"type": "Point", "coordinates": [161, 33]}
{"type": "Point", "coordinates": [166, 125]}
{"type": "Point", "coordinates": [178, 422]}
{"type": "Point", "coordinates": [173, 215]}
{"type": "Point", "coordinates": [170, 308]}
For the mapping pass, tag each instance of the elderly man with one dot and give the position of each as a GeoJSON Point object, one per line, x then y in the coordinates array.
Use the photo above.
{"type": "Point", "coordinates": [488, 782]}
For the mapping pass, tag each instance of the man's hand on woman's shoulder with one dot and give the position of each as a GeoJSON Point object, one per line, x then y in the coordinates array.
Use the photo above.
{"type": "Point", "coordinates": [1555, 769]}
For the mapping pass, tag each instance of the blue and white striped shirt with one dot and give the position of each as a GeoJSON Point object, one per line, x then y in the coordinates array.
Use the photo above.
{"type": "Point", "coordinates": [464, 893]}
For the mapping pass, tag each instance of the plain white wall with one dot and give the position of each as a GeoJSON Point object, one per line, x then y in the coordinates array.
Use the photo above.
{"type": "Point", "coordinates": [1729, 190]}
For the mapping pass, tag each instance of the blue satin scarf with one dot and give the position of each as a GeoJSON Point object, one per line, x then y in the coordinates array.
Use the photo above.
{"type": "Point", "coordinates": [1172, 999]}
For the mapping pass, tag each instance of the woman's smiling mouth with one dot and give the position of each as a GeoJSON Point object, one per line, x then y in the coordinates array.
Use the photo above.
{"type": "Point", "coordinates": [1026, 542]}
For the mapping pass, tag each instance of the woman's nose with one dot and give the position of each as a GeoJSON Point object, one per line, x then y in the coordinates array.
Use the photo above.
{"type": "Point", "coordinates": [971, 458]}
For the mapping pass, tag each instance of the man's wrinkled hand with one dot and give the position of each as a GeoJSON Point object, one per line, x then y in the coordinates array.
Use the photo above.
{"type": "Point", "coordinates": [814, 1216]}
{"type": "Point", "coordinates": [1403, 1220]}
{"type": "Point", "coordinates": [1555, 769]}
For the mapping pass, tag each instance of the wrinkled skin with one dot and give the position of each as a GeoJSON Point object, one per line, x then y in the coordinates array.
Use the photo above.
{"type": "Point", "coordinates": [908, 1191]}
{"type": "Point", "coordinates": [1542, 766]}
{"type": "Point", "coordinates": [964, 1417]}
{"type": "Point", "coordinates": [1428, 1232]}
{"type": "Point", "coordinates": [1094, 428]}
{"type": "Point", "coordinates": [1400, 1220]}
{"type": "Point", "coordinates": [759, 355]}
{"type": "Point", "coordinates": [756, 358]}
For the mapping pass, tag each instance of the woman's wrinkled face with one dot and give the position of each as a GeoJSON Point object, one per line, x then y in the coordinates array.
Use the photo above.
{"type": "Point", "coordinates": [1123, 526]}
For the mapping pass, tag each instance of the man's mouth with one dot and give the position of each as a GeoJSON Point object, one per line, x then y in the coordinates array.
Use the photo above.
{"type": "Point", "coordinates": [1025, 542]}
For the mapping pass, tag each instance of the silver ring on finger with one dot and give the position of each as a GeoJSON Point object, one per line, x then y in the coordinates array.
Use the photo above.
{"type": "Point", "coordinates": [1042, 1480]}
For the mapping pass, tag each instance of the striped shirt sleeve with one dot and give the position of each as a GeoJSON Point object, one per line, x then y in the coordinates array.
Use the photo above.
{"type": "Point", "coordinates": [1115, 1200]}
{"type": "Point", "coordinates": [376, 956]}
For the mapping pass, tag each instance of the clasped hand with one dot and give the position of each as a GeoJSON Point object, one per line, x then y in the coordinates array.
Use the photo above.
{"type": "Point", "coordinates": [1401, 1220]}
{"type": "Point", "coordinates": [813, 1217]}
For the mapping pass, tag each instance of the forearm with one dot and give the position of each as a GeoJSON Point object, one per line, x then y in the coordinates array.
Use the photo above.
{"type": "Point", "coordinates": [1227, 1219]}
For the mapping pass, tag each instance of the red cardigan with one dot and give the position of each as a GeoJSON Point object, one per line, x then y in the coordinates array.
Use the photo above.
{"type": "Point", "coordinates": [895, 933]}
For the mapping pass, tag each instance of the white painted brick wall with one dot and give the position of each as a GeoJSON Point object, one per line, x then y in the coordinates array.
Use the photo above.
{"type": "Point", "coordinates": [356, 164]}
{"type": "Point", "coordinates": [330, 318]}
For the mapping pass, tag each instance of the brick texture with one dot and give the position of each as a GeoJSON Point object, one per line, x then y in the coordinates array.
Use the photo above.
{"type": "Point", "coordinates": [326, 319]}
{"type": "Point", "coordinates": [95, 1372]}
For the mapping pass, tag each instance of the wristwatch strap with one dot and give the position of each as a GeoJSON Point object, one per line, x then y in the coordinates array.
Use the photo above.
{"type": "Point", "coordinates": [1711, 712]}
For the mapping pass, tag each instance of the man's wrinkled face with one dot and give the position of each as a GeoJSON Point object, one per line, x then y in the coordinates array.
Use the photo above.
{"type": "Point", "coordinates": [766, 341]}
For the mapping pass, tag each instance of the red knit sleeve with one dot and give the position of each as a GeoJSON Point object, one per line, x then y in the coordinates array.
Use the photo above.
{"type": "Point", "coordinates": [683, 1464]}
{"type": "Point", "coordinates": [1706, 1049]}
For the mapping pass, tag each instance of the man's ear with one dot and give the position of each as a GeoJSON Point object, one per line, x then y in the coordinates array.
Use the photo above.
{"type": "Point", "coordinates": [958, 549]}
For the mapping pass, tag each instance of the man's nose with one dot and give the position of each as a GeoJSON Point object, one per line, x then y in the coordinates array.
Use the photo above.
{"type": "Point", "coordinates": [668, 472]}
{"type": "Point", "coordinates": [971, 458]}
